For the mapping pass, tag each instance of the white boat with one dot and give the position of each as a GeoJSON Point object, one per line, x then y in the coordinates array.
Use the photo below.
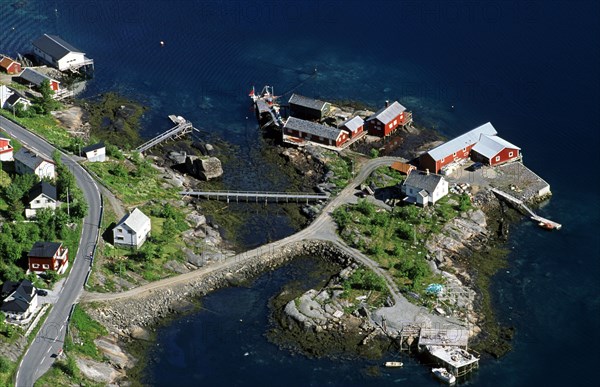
{"type": "Point", "coordinates": [393, 364]}
{"type": "Point", "coordinates": [444, 375]}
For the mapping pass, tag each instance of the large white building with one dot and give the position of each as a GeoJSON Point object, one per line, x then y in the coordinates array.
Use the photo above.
{"type": "Point", "coordinates": [56, 52]}
{"type": "Point", "coordinates": [132, 230]}
{"type": "Point", "coordinates": [424, 188]}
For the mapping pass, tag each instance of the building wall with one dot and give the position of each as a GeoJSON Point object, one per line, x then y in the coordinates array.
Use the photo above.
{"type": "Point", "coordinates": [41, 264]}
{"type": "Point", "coordinates": [351, 134]}
{"type": "Point", "coordinates": [318, 139]}
{"type": "Point", "coordinates": [434, 166]}
{"type": "Point", "coordinates": [44, 57]}
{"type": "Point", "coordinates": [505, 155]}
{"type": "Point", "coordinates": [381, 129]}
{"type": "Point", "coordinates": [45, 169]}
{"type": "Point", "coordinates": [123, 235]}
{"type": "Point", "coordinates": [6, 155]}
{"type": "Point", "coordinates": [98, 155]}
{"type": "Point", "coordinates": [440, 192]}
{"type": "Point", "coordinates": [304, 112]}
{"type": "Point", "coordinates": [13, 68]}
{"type": "Point", "coordinates": [71, 59]}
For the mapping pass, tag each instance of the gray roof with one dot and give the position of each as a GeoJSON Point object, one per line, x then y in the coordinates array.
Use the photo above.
{"type": "Point", "coordinates": [311, 103]}
{"type": "Point", "coordinates": [489, 146]}
{"type": "Point", "coordinates": [32, 76]}
{"type": "Point", "coordinates": [386, 114]}
{"type": "Point", "coordinates": [44, 249]}
{"type": "Point", "coordinates": [29, 158]}
{"type": "Point", "coordinates": [42, 188]}
{"type": "Point", "coordinates": [134, 220]}
{"type": "Point", "coordinates": [312, 128]}
{"type": "Point", "coordinates": [423, 181]}
{"type": "Point", "coordinates": [93, 147]}
{"type": "Point", "coordinates": [20, 299]}
{"type": "Point", "coordinates": [15, 98]}
{"type": "Point", "coordinates": [353, 123]}
{"type": "Point", "coordinates": [54, 46]}
{"type": "Point", "coordinates": [462, 141]}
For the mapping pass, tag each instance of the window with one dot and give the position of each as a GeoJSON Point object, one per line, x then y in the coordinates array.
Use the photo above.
{"type": "Point", "coordinates": [35, 265]}
{"type": "Point", "coordinates": [454, 154]}
{"type": "Point", "coordinates": [37, 201]}
{"type": "Point", "coordinates": [510, 154]}
{"type": "Point", "coordinates": [390, 126]}
{"type": "Point", "coordinates": [129, 232]}
{"type": "Point", "coordinates": [395, 122]}
{"type": "Point", "coordinates": [120, 238]}
{"type": "Point", "coordinates": [46, 266]}
{"type": "Point", "coordinates": [497, 158]}
{"type": "Point", "coordinates": [120, 230]}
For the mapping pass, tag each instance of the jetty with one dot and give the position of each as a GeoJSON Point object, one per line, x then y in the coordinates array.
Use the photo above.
{"type": "Point", "coordinates": [254, 196]}
{"type": "Point", "coordinates": [543, 222]}
{"type": "Point", "coordinates": [267, 108]}
{"type": "Point", "coordinates": [181, 128]}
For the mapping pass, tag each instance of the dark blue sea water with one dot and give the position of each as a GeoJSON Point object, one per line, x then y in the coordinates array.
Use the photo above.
{"type": "Point", "coordinates": [531, 68]}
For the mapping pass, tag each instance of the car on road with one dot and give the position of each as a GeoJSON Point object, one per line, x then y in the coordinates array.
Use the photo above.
{"type": "Point", "coordinates": [42, 292]}
{"type": "Point", "coordinates": [475, 166]}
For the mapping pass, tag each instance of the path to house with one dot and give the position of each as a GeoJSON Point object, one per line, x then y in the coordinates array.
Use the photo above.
{"type": "Point", "coordinates": [49, 339]}
{"type": "Point", "coordinates": [322, 228]}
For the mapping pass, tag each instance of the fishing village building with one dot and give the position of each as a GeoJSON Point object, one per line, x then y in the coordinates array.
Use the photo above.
{"type": "Point", "coordinates": [41, 195]}
{"type": "Point", "coordinates": [308, 108]}
{"type": "Point", "coordinates": [132, 230]}
{"type": "Point", "coordinates": [29, 162]}
{"type": "Point", "coordinates": [10, 66]}
{"type": "Point", "coordinates": [424, 188]}
{"type": "Point", "coordinates": [45, 256]}
{"type": "Point", "coordinates": [53, 50]}
{"type": "Point", "coordinates": [6, 149]}
{"type": "Point", "coordinates": [354, 126]}
{"type": "Point", "coordinates": [33, 77]}
{"type": "Point", "coordinates": [493, 150]}
{"type": "Point", "coordinates": [302, 130]}
{"type": "Point", "coordinates": [388, 119]}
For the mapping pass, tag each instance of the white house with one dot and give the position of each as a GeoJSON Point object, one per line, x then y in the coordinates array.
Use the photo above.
{"type": "Point", "coordinates": [20, 300]}
{"type": "Point", "coordinates": [6, 149]}
{"type": "Point", "coordinates": [16, 99]}
{"type": "Point", "coordinates": [95, 153]}
{"type": "Point", "coordinates": [424, 188]}
{"type": "Point", "coordinates": [29, 162]}
{"type": "Point", "coordinates": [5, 93]}
{"type": "Point", "coordinates": [41, 195]}
{"type": "Point", "coordinates": [56, 52]}
{"type": "Point", "coordinates": [132, 230]}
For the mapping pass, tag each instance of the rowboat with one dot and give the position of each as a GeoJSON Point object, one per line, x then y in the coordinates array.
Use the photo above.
{"type": "Point", "coordinates": [443, 375]}
{"type": "Point", "coordinates": [393, 364]}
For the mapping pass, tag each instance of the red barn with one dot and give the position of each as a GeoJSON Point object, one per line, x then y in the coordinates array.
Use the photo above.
{"type": "Point", "coordinates": [45, 256]}
{"type": "Point", "coordinates": [388, 119]}
{"type": "Point", "coordinates": [455, 150]}
{"type": "Point", "coordinates": [10, 66]}
{"type": "Point", "coordinates": [311, 131]}
{"type": "Point", "coordinates": [493, 150]}
{"type": "Point", "coordinates": [354, 126]}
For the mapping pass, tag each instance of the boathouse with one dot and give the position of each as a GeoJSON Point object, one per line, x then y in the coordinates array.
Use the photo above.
{"type": "Point", "coordinates": [388, 119]}
{"type": "Point", "coordinates": [30, 76]}
{"type": "Point", "coordinates": [448, 348]}
{"type": "Point", "coordinates": [308, 108]}
{"type": "Point", "coordinates": [312, 131]}
{"type": "Point", "coordinates": [45, 256]}
{"type": "Point", "coordinates": [493, 150]}
{"type": "Point", "coordinates": [51, 49]}
{"type": "Point", "coordinates": [455, 150]}
{"type": "Point", "coordinates": [10, 66]}
{"type": "Point", "coordinates": [354, 126]}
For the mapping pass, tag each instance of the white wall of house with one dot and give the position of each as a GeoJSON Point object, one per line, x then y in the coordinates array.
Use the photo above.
{"type": "Point", "coordinates": [126, 236]}
{"type": "Point", "coordinates": [42, 201]}
{"type": "Point", "coordinates": [440, 191]}
{"type": "Point", "coordinates": [45, 169]}
{"type": "Point", "coordinates": [5, 93]}
{"type": "Point", "coordinates": [97, 155]}
{"type": "Point", "coordinates": [71, 59]}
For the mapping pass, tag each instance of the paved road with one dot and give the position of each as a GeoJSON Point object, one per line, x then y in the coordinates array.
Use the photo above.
{"type": "Point", "coordinates": [50, 338]}
{"type": "Point", "coordinates": [322, 228]}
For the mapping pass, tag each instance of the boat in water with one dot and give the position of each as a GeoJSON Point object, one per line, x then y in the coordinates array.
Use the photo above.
{"type": "Point", "coordinates": [546, 225]}
{"type": "Point", "coordinates": [443, 375]}
{"type": "Point", "coordinates": [393, 364]}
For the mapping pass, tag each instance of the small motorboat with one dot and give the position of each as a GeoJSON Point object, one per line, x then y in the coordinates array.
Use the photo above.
{"type": "Point", "coordinates": [393, 364]}
{"type": "Point", "coordinates": [546, 225]}
{"type": "Point", "coordinates": [443, 375]}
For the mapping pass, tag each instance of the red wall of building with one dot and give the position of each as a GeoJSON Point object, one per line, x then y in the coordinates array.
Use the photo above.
{"type": "Point", "coordinates": [359, 130]}
{"type": "Point", "coordinates": [54, 85]}
{"type": "Point", "coordinates": [504, 156]}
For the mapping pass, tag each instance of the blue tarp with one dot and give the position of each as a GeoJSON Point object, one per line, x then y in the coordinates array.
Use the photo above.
{"type": "Point", "coordinates": [434, 288]}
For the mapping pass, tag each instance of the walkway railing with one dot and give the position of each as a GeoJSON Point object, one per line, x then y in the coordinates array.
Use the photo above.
{"type": "Point", "coordinates": [247, 196]}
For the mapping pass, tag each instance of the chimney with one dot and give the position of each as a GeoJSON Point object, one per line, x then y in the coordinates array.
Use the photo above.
{"type": "Point", "coordinates": [387, 103]}
{"type": "Point", "coordinates": [427, 171]}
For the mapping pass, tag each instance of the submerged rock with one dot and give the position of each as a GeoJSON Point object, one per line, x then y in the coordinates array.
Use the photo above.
{"type": "Point", "coordinates": [204, 168]}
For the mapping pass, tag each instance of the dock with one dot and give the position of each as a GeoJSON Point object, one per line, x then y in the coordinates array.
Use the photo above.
{"type": "Point", "coordinates": [267, 108]}
{"type": "Point", "coordinates": [181, 128]}
{"type": "Point", "coordinates": [254, 196]}
{"type": "Point", "coordinates": [546, 223]}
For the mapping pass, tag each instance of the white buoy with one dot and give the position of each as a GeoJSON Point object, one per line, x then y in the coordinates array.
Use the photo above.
{"type": "Point", "coordinates": [162, 44]}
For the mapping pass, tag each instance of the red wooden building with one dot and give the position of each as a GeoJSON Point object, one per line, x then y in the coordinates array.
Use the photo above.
{"type": "Point", "coordinates": [388, 119]}
{"type": "Point", "coordinates": [354, 126]}
{"type": "Point", "coordinates": [311, 131]}
{"type": "Point", "coordinates": [31, 76]}
{"type": "Point", "coordinates": [455, 150]}
{"type": "Point", "coordinates": [45, 256]}
{"type": "Point", "coordinates": [10, 66]}
{"type": "Point", "coordinates": [493, 150]}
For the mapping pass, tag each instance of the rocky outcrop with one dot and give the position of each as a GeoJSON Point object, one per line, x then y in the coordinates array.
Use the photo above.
{"type": "Point", "coordinates": [98, 371]}
{"type": "Point", "coordinates": [204, 168]}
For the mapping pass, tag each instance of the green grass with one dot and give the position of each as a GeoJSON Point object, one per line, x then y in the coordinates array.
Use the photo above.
{"type": "Point", "coordinates": [385, 177]}
{"type": "Point", "coordinates": [45, 126]}
{"type": "Point", "coordinates": [65, 373]}
{"type": "Point", "coordinates": [341, 167]}
{"type": "Point", "coordinates": [7, 369]}
{"type": "Point", "coordinates": [86, 330]}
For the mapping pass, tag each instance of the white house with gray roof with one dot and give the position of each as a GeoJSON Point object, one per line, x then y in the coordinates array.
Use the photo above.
{"type": "Point", "coordinates": [132, 230]}
{"type": "Point", "coordinates": [53, 50]}
{"type": "Point", "coordinates": [27, 161]}
{"type": "Point", "coordinates": [424, 188]}
{"type": "Point", "coordinates": [303, 130]}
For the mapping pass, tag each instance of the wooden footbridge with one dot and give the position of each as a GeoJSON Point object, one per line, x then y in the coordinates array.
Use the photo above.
{"type": "Point", "coordinates": [519, 203]}
{"type": "Point", "coordinates": [258, 196]}
{"type": "Point", "coordinates": [182, 128]}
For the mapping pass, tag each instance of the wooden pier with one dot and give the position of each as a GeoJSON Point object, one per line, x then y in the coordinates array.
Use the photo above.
{"type": "Point", "coordinates": [543, 222]}
{"type": "Point", "coordinates": [182, 128]}
{"type": "Point", "coordinates": [267, 108]}
{"type": "Point", "coordinates": [257, 196]}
